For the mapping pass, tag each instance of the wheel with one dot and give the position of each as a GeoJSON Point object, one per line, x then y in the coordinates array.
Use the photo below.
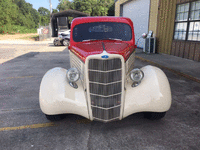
{"type": "Point", "coordinates": [55, 43]}
{"type": "Point", "coordinates": [65, 42]}
{"type": "Point", "coordinates": [55, 117]}
{"type": "Point", "coordinates": [154, 115]}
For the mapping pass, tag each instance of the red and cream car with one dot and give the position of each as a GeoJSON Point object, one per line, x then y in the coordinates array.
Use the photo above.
{"type": "Point", "coordinates": [102, 83]}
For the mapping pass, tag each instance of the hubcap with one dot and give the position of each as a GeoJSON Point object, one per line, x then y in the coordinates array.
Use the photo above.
{"type": "Point", "coordinates": [65, 42]}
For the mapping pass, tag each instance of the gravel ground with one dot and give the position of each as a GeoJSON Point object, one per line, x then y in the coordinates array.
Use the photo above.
{"type": "Point", "coordinates": [11, 50]}
{"type": "Point", "coordinates": [15, 36]}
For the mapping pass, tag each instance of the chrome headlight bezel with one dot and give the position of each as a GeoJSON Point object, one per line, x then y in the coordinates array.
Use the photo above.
{"type": "Point", "coordinates": [136, 75]}
{"type": "Point", "coordinates": [73, 75]}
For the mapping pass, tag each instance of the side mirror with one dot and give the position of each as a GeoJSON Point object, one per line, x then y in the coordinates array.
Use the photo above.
{"type": "Point", "coordinates": [144, 35]}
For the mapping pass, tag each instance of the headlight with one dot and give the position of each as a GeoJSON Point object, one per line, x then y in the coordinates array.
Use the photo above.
{"type": "Point", "coordinates": [136, 75]}
{"type": "Point", "coordinates": [73, 75]}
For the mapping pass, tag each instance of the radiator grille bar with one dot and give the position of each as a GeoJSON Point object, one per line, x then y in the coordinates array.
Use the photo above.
{"type": "Point", "coordinates": [106, 114]}
{"type": "Point", "coordinates": [105, 65]}
{"type": "Point", "coordinates": [105, 77]}
{"type": "Point", "coordinates": [105, 89]}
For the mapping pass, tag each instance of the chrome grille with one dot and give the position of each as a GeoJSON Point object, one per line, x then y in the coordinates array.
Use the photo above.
{"type": "Point", "coordinates": [78, 64]}
{"type": "Point", "coordinates": [106, 102]}
{"type": "Point", "coordinates": [105, 65]}
{"type": "Point", "coordinates": [105, 77]}
{"type": "Point", "coordinates": [106, 114]}
{"type": "Point", "coordinates": [130, 63]}
{"type": "Point", "coordinates": [105, 88]}
{"type": "Point", "coordinates": [75, 62]}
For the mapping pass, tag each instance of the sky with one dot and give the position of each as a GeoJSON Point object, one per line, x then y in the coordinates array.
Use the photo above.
{"type": "Point", "coordinates": [43, 3]}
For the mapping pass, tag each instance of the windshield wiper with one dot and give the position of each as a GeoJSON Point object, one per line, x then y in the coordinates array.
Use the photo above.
{"type": "Point", "coordinates": [89, 40]}
{"type": "Point", "coordinates": [113, 39]}
{"type": "Point", "coordinates": [102, 39]}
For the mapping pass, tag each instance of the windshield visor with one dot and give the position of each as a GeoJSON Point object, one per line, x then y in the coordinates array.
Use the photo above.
{"type": "Point", "coordinates": [101, 31]}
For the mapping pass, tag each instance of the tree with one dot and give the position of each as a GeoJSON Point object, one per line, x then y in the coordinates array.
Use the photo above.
{"type": "Point", "coordinates": [102, 7]}
{"type": "Point", "coordinates": [8, 15]}
{"type": "Point", "coordinates": [44, 15]}
{"type": "Point", "coordinates": [64, 5]}
{"type": "Point", "coordinates": [54, 11]}
{"type": "Point", "coordinates": [84, 5]}
{"type": "Point", "coordinates": [111, 10]}
{"type": "Point", "coordinates": [17, 15]}
{"type": "Point", "coordinates": [8, 12]}
{"type": "Point", "coordinates": [43, 11]}
{"type": "Point", "coordinates": [91, 7]}
{"type": "Point", "coordinates": [27, 16]}
{"type": "Point", "coordinates": [36, 17]}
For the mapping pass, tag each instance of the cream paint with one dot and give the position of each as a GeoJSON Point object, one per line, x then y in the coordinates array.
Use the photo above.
{"type": "Point", "coordinates": [58, 97]}
{"type": "Point", "coordinates": [153, 94]}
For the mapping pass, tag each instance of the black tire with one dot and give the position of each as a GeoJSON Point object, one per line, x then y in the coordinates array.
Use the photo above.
{"type": "Point", "coordinates": [154, 115]}
{"type": "Point", "coordinates": [55, 117]}
{"type": "Point", "coordinates": [55, 43]}
{"type": "Point", "coordinates": [65, 42]}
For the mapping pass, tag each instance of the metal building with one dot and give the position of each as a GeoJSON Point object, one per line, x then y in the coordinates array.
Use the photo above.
{"type": "Point", "coordinates": [175, 24]}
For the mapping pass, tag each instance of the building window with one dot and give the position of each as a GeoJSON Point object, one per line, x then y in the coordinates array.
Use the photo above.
{"type": "Point", "coordinates": [187, 23]}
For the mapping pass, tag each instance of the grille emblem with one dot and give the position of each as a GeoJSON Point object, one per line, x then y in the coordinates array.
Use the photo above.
{"type": "Point", "coordinates": [105, 56]}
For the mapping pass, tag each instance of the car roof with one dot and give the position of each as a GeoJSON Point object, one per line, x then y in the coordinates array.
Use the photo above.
{"type": "Point", "coordinates": [81, 20]}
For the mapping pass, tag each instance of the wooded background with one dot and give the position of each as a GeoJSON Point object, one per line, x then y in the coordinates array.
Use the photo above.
{"type": "Point", "coordinates": [18, 16]}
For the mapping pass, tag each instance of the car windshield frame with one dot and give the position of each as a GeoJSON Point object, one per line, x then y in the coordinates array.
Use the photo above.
{"type": "Point", "coordinates": [102, 31]}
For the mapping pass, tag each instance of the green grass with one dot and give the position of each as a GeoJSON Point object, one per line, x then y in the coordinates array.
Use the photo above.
{"type": "Point", "coordinates": [12, 29]}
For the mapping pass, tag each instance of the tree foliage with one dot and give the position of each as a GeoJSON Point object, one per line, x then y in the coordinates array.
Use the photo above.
{"type": "Point", "coordinates": [54, 11]}
{"type": "Point", "coordinates": [45, 16]}
{"type": "Point", "coordinates": [43, 11]}
{"type": "Point", "coordinates": [91, 7]}
{"type": "Point", "coordinates": [27, 15]}
{"type": "Point", "coordinates": [64, 5]}
{"type": "Point", "coordinates": [18, 15]}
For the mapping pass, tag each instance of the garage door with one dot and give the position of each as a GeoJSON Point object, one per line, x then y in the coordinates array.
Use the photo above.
{"type": "Point", "coordinates": [138, 12]}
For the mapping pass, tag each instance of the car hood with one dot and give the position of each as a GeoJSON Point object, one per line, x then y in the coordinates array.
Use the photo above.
{"type": "Point", "coordinates": [84, 49]}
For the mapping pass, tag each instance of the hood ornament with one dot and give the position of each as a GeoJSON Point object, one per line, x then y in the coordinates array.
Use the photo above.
{"type": "Point", "coordinates": [104, 54]}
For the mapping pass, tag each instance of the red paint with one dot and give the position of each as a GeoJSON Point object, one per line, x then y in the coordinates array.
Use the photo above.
{"type": "Point", "coordinates": [84, 49]}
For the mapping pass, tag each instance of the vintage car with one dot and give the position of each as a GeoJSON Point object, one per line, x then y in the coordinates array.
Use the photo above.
{"type": "Point", "coordinates": [102, 83]}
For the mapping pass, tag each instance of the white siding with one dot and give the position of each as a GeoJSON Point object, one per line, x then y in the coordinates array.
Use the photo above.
{"type": "Point", "coordinates": [138, 12]}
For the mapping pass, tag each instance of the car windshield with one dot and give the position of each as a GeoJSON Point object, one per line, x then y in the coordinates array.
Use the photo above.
{"type": "Point", "coordinates": [102, 31]}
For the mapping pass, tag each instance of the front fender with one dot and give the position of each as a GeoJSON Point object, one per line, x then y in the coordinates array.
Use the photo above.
{"type": "Point", "coordinates": [152, 94]}
{"type": "Point", "coordinates": [56, 96]}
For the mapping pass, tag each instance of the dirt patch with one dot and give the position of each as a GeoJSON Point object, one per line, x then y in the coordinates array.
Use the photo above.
{"type": "Point", "coordinates": [18, 36]}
